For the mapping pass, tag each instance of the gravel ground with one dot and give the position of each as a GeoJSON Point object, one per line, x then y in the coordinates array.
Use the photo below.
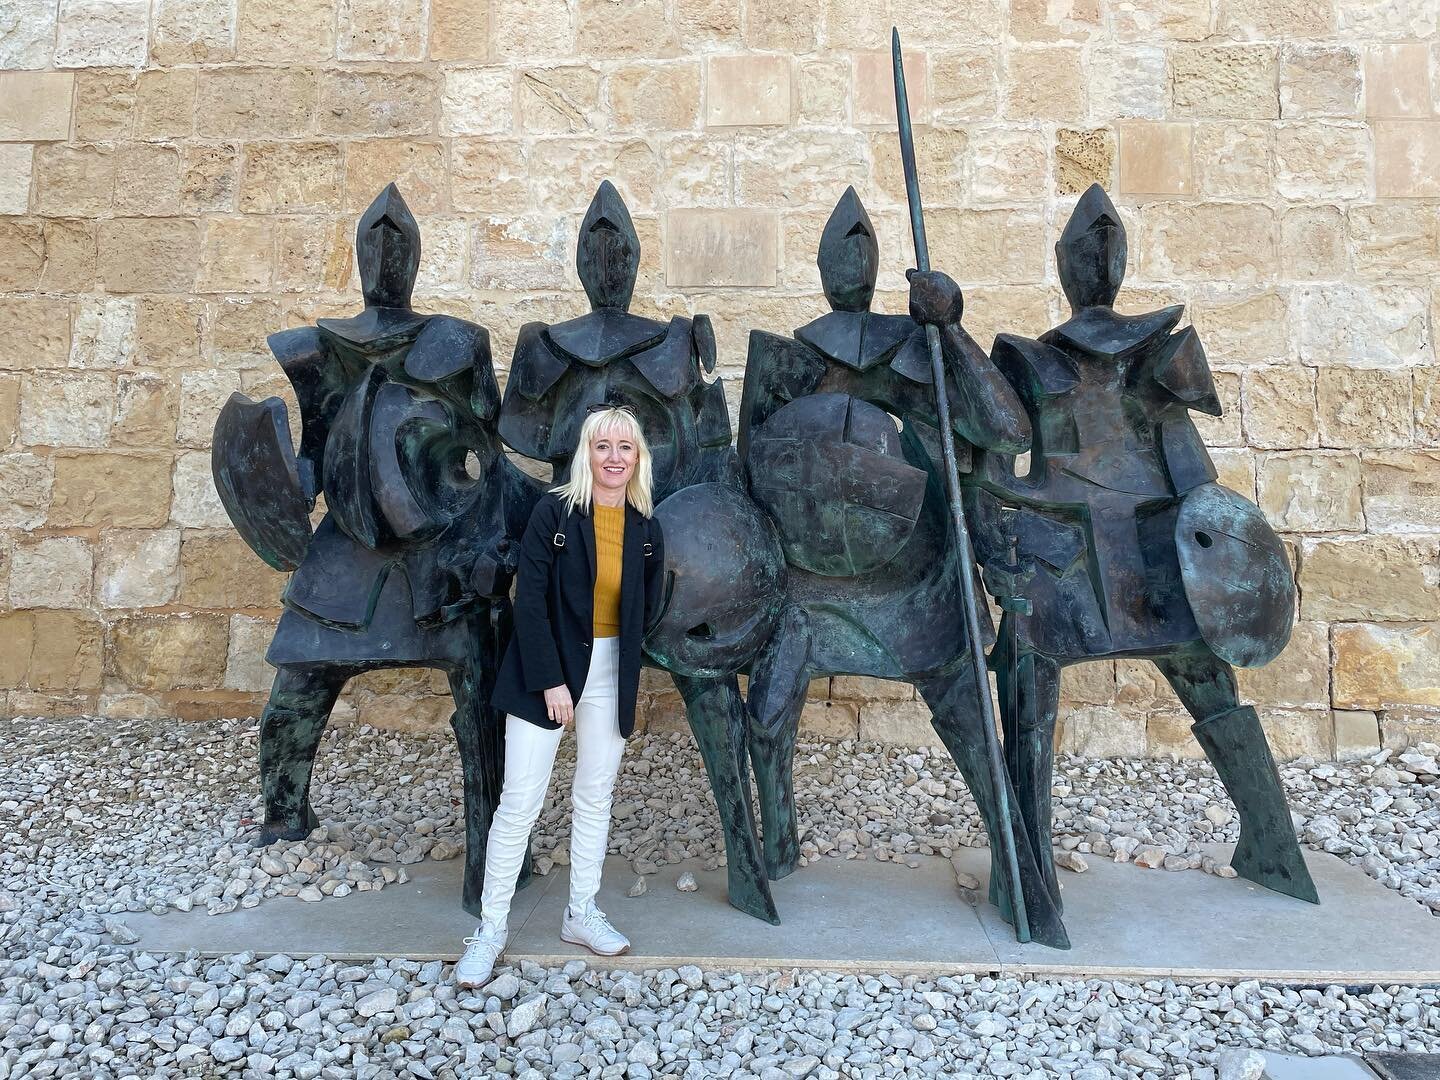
{"type": "Point", "coordinates": [106, 817]}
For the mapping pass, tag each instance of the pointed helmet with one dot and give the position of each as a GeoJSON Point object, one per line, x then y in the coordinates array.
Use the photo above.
{"type": "Point", "coordinates": [387, 248]}
{"type": "Point", "coordinates": [1091, 253]}
{"type": "Point", "coordinates": [849, 256]}
{"type": "Point", "coordinates": [607, 257]}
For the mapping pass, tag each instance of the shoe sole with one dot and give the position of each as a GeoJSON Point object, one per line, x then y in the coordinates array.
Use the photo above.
{"type": "Point", "coordinates": [576, 941]}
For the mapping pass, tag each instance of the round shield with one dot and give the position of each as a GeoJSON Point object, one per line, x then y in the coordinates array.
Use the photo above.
{"type": "Point", "coordinates": [829, 470]}
{"type": "Point", "coordinates": [724, 582]}
{"type": "Point", "coordinates": [1236, 574]}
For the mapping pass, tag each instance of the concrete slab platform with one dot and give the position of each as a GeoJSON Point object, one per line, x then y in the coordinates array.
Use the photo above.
{"type": "Point", "coordinates": [1124, 922]}
{"type": "Point", "coordinates": [1296, 1067]}
{"type": "Point", "coordinates": [1405, 1066]}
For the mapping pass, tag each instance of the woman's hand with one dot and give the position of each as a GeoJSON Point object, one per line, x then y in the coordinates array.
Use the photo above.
{"type": "Point", "coordinates": [559, 706]}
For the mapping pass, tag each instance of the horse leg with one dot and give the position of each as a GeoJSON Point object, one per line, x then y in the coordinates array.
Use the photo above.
{"type": "Point", "coordinates": [290, 729]}
{"type": "Point", "coordinates": [1230, 733]}
{"type": "Point", "coordinates": [480, 738]}
{"type": "Point", "coordinates": [717, 716]}
{"type": "Point", "coordinates": [1028, 710]}
{"type": "Point", "coordinates": [955, 714]}
{"type": "Point", "coordinates": [776, 695]}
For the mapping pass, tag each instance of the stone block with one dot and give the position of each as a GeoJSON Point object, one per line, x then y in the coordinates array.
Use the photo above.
{"type": "Point", "coordinates": [1386, 666]}
{"type": "Point", "coordinates": [1322, 160]}
{"type": "Point", "coordinates": [405, 712]}
{"type": "Point", "coordinates": [76, 180]}
{"type": "Point", "coordinates": [524, 29]}
{"type": "Point", "coordinates": [1156, 158]}
{"type": "Point", "coordinates": [1083, 158]}
{"type": "Point", "coordinates": [106, 489]}
{"type": "Point", "coordinates": [1101, 731]}
{"type": "Point", "coordinates": [1407, 158]}
{"type": "Point", "coordinates": [256, 102]}
{"type": "Point", "coordinates": [526, 252]}
{"type": "Point", "coordinates": [1394, 238]}
{"type": "Point", "coordinates": [655, 97]}
{"type": "Point", "coordinates": [1044, 82]}
{"type": "Point", "coordinates": [238, 326]}
{"type": "Point", "coordinates": [1299, 733]}
{"type": "Point", "coordinates": [1241, 326]}
{"type": "Point", "coordinates": [459, 30]}
{"type": "Point", "coordinates": [1127, 80]}
{"type": "Point", "coordinates": [1230, 242]}
{"type": "Point", "coordinates": [694, 171]}
{"type": "Point", "coordinates": [1381, 326]}
{"type": "Point", "coordinates": [1267, 20]}
{"type": "Point", "coordinates": [1090, 683]}
{"type": "Point", "coordinates": [147, 180]}
{"type": "Point", "coordinates": [137, 568]}
{"type": "Point", "coordinates": [209, 179]}
{"type": "Point", "coordinates": [1311, 492]}
{"type": "Point", "coordinates": [288, 177]}
{"type": "Point", "coordinates": [1279, 407]}
{"type": "Point", "coordinates": [22, 245]}
{"type": "Point", "coordinates": [1007, 164]}
{"type": "Point", "coordinates": [168, 330]}
{"type": "Point", "coordinates": [714, 23]}
{"type": "Point", "coordinates": [1225, 81]}
{"type": "Point", "coordinates": [73, 409]}
{"type": "Point", "coordinates": [67, 649]}
{"type": "Point", "coordinates": [25, 485]}
{"type": "Point", "coordinates": [830, 720]}
{"type": "Point", "coordinates": [35, 106]}
{"type": "Point", "coordinates": [102, 33]}
{"type": "Point", "coordinates": [1404, 727]}
{"type": "Point", "coordinates": [721, 247]}
{"type": "Point", "coordinates": [27, 34]}
{"type": "Point", "coordinates": [966, 85]}
{"type": "Point", "coordinates": [380, 29]}
{"type": "Point", "coordinates": [638, 28]}
{"type": "Point", "coordinates": [195, 503]}
{"type": "Point", "coordinates": [1299, 678]}
{"type": "Point", "coordinates": [560, 99]}
{"type": "Point", "coordinates": [1139, 687]}
{"type": "Point", "coordinates": [312, 255]}
{"type": "Point", "coordinates": [300, 30]}
{"type": "Point", "coordinates": [1236, 469]}
{"type": "Point", "coordinates": [149, 254]}
{"type": "Point", "coordinates": [1319, 80]}
{"type": "Point", "coordinates": [488, 175]}
{"type": "Point", "coordinates": [750, 90]}
{"type": "Point", "coordinates": [565, 172]}
{"type": "Point", "coordinates": [34, 332]}
{"type": "Point", "coordinates": [477, 101]}
{"type": "Point", "coordinates": [104, 333]}
{"type": "Point", "coordinates": [104, 105]}
{"type": "Point", "coordinates": [1357, 734]}
{"type": "Point", "coordinates": [245, 667]}
{"type": "Point", "coordinates": [202, 395]}
{"type": "Point", "coordinates": [1397, 80]}
{"type": "Point", "coordinates": [194, 31]}
{"type": "Point", "coordinates": [1168, 735]}
{"type": "Point", "coordinates": [1361, 407]}
{"type": "Point", "coordinates": [169, 652]}
{"type": "Point", "coordinates": [1370, 578]}
{"type": "Point", "coordinates": [898, 723]}
{"type": "Point", "coordinates": [874, 94]}
{"type": "Point", "coordinates": [942, 156]}
{"type": "Point", "coordinates": [780, 26]}
{"type": "Point", "coordinates": [1402, 491]}
{"type": "Point", "coordinates": [1427, 406]}
{"type": "Point", "coordinates": [165, 104]}
{"type": "Point", "coordinates": [17, 642]}
{"type": "Point", "coordinates": [9, 410]}
{"type": "Point", "coordinates": [416, 168]}
{"type": "Point", "coordinates": [1313, 244]}
{"type": "Point", "coordinates": [54, 572]}
{"type": "Point", "coordinates": [16, 165]}
{"type": "Point", "coordinates": [1040, 20]}
{"type": "Point", "coordinates": [237, 255]}
{"type": "Point", "coordinates": [1146, 20]}
{"type": "Point", "coordinates": [1002, 246]}
{"type": "Point", "coordinates": [1234, 159]}
{"type": "Point", "coordinates": [865, 688]}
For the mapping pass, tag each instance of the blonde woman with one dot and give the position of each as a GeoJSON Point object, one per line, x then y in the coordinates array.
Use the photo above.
{"type": "Point", "coordinates": [589, 582]}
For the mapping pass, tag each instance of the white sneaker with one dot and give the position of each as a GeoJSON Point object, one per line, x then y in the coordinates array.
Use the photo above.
{"type": "Point", "coordinates": [593, 930]}
{"type": "Point", "coordinates": [481, 951]}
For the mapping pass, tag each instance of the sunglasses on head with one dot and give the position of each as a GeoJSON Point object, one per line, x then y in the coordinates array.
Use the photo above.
{"type": "Point", "coordinates": [606, 406]}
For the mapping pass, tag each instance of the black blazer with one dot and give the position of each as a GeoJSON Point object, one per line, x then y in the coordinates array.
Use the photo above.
{"type": "Point", "coordinates": [555, 609]}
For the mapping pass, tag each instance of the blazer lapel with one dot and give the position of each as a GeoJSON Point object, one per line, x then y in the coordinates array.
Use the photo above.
{"type": "Point", "coordinates": [632, 563]}
{"type": "Point", "coordinates": [587, 536]}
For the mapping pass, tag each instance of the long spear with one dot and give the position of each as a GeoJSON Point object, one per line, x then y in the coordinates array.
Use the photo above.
{"type": "Point", "coordinates": [998, 779]}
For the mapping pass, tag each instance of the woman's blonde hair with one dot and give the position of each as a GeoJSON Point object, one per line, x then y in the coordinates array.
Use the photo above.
{"type": "Point", "coordinates": [579, 489]}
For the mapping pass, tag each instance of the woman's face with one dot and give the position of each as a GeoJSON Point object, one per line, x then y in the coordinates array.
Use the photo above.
{"type": "Point", "coordinates": [612, 460]}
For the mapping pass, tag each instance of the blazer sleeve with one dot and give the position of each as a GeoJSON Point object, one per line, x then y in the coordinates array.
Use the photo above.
{"type": "Point", "coordinates": [654, 573]}
{"type": "Point", "coordinates": [534, 635]}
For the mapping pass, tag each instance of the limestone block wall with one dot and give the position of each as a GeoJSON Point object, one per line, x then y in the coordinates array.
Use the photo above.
{"type": "Point", "coordinates": [179, 178]}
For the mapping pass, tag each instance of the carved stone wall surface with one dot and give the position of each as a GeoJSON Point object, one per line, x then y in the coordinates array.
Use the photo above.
{"type": "Point", "coordinates": [180, 187]}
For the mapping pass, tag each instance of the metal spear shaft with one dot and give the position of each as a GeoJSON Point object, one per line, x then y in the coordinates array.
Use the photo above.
{"type": "Point", "coordinates": [999, 781]}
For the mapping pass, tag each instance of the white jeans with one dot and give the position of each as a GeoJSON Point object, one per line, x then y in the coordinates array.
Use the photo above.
{"type": "Point", "coordinates": [529, 757]}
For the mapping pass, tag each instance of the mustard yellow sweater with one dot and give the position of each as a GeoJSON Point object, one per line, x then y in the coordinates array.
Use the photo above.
{"type": "Point", "coordinates": [609, 544]}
